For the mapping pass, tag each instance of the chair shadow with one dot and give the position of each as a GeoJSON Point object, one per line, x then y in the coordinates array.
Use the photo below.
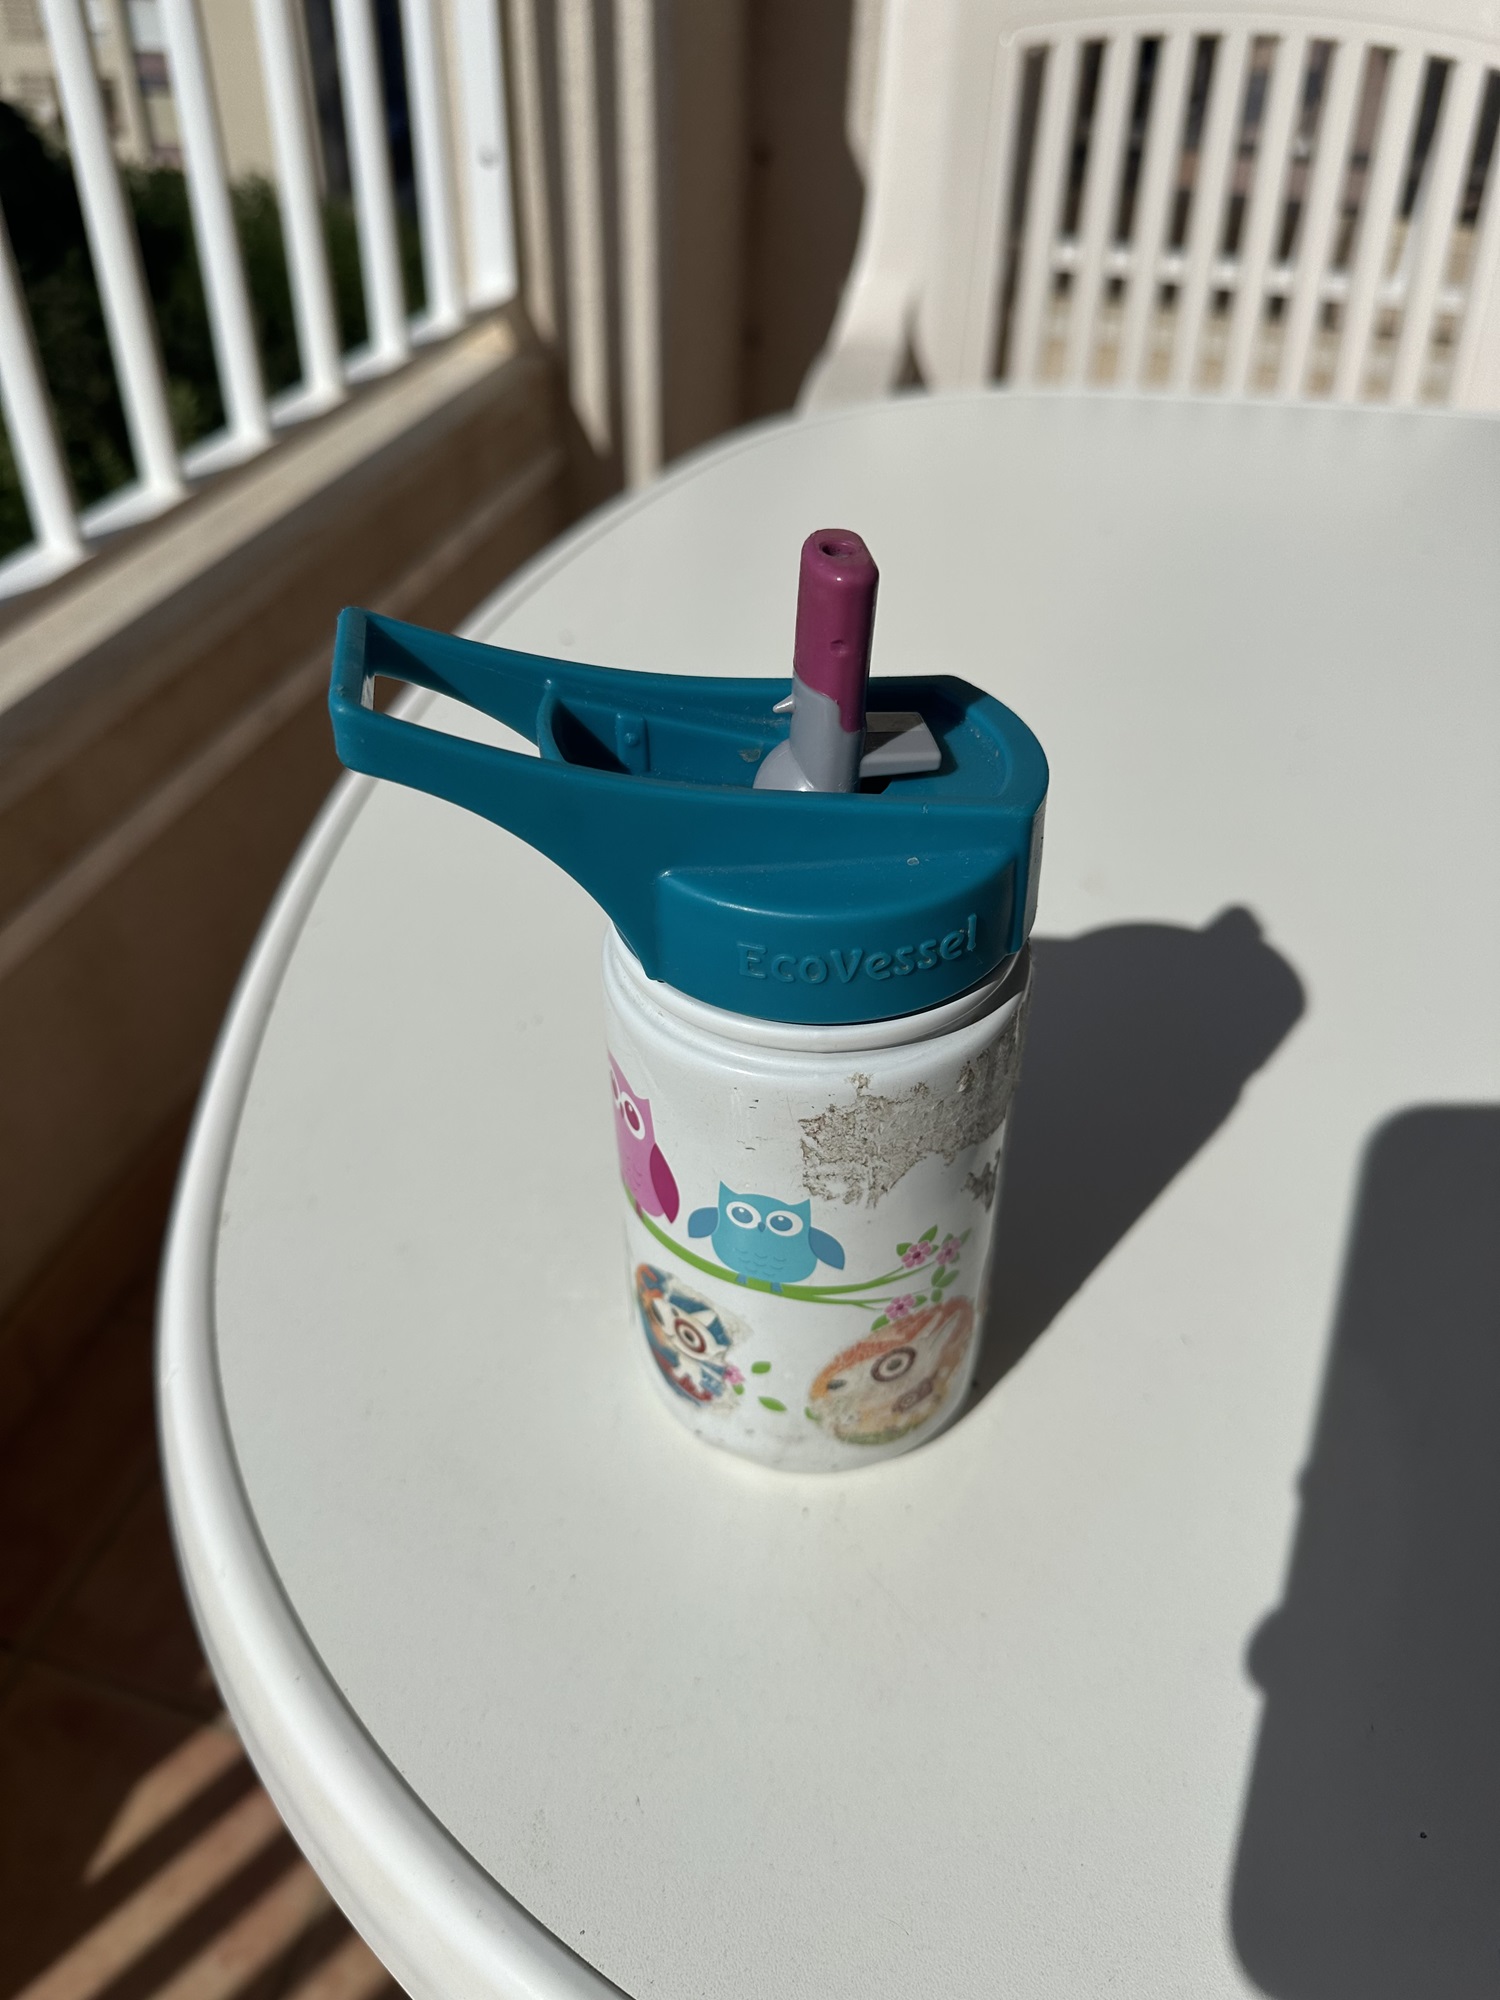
{"type": "Point", "coordinates": [1141, 1038]}
{"type": "Point", "coordinates": [1369, 1856]}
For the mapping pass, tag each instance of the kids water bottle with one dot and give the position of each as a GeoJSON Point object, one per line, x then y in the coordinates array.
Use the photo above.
{"type": "Point", "coordinates": [815, 994]}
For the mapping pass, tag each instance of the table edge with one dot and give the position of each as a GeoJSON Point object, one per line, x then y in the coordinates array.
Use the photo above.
{"type": "Point", "coordinates": [441, 1925]}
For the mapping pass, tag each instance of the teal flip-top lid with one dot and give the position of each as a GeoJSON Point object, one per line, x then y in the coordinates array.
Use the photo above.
{"type": "Point", "coordinates": [789, 905]}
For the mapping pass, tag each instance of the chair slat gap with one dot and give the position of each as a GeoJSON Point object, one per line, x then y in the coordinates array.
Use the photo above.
{"type": "Point", "coordinates": [1391, 149]}
{"type": "Point", "coordinates": [30, 423]}
{"type": "Point", "coordinates": [225, 292]}
{"type": "Point", "coordinates": [370, 170]}
{"type": "Point", "coordinates": [1149, 229]}
{"type": "Point", "coordinates": [1102, 171]}
{"type": "Point", "coordinates": [1476, 365]}
{"type": "Point", "coordinates": [1314, 249]}
{"type": "Point", "coordinates": [1059, 87]}
{"type": "Point", "coordinates": [115, 253]}
{"type": "Point", "coordinates": [299, 203]}
{"type": "Point", "coordinates": [1210, 184]}
{"type": "Point", "coordinates": [1267, 189]}
{"type": "Point", "coordinates": [1436, 213]}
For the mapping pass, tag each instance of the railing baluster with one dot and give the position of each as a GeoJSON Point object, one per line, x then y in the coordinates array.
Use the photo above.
{"type": "Point", "coordinates": [374, 197]}
{"type": "Point", "coordinates": [640, 262]}
{"type": "Point", "coordinates": [1438, 206]}
{"type": "Point", "coordinates": [224, 289]}
{"type": "Point", "coordinates": [301, 209]}
{"type": "Point", "coordinates": [432, 162]}
{"type": "Point", "coordinates": [116, 255]}
{"type": "Point", "coordinates": [1153, 206]}
{"type": "Point", "coordinates": [1315, 236]}
{"type": "Point", "coordinates": [30, 424]}
{"type": "Point", "coordinates": [583, 196]}
{"type": "Point", "coordinates": [1264, 207]}
{"type": "Point", "coordinates": [481, 152]}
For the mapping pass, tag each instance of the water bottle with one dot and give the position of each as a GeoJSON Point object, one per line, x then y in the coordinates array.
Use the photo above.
{"type": "Point", "coordinates": [815, 982]}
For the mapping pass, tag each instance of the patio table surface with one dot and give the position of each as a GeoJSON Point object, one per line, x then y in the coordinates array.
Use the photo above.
{"type": "Point", "coordinates": [1169, 1670]}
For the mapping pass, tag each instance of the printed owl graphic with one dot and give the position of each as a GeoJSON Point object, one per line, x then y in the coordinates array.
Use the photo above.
{"type": "Point", "coordinates": [689, 1339]}
{"type": "Point", "coordinates": [646, 1173]}
{"type": "Point", "coordinates": [758, 1236]}
{"type": "Point", "coordinates": [885, 1385]}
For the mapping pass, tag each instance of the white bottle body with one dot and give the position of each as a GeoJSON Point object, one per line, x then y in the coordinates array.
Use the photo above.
{"type": "Point", "coordinates": [809, 1211]}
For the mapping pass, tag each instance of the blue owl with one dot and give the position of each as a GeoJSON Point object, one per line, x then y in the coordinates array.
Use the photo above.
{"type": "Point", "coordinates": [757, 1236]}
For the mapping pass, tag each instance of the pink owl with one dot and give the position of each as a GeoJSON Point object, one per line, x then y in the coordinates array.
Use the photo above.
{"type": "Point", "coordinates": [647, 1174]}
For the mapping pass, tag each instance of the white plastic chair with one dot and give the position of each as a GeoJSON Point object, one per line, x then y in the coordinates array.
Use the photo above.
{"type": "Point", "coordinates": [1286, 205]}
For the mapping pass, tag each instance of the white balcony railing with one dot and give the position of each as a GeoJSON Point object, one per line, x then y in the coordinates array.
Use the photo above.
{"type": "Point", "coordinates": [462, 148]}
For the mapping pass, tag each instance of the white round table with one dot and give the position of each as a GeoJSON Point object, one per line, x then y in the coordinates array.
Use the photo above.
{"type": "Point", "coordinates": [1172, 1669]}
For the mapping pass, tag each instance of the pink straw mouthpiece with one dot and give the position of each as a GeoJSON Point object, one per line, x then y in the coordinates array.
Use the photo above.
{"type": "Point", "coordinates": [836, 619]}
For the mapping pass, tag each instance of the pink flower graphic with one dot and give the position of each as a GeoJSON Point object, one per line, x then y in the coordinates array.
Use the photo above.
{"type": "Point", "coordinates": [949, 1252]}
{"type": "Point", "coordinates": [915, 1255]}
{"type": "Point", "coordinates": [899, 1308]}
{"type": "Point", "coordinates": [732, 1375]}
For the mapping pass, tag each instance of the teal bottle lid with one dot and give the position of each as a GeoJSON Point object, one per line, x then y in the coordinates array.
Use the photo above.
{"type": "Point", "coordinates": [793, 905]}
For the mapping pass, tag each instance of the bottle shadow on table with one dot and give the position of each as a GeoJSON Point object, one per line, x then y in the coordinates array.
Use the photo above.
{"type": "Point", "coordinates": [1369, 1856]}
{"type": "Point", "coordinates": [1141, 1038]}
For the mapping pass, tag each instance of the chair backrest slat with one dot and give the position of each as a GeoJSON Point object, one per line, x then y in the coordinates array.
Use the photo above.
{"type": "Point", "coordinates": [1250, 203]}
{"type": "Point", "coordinates": [1378, 213]}
{"type": "Point", "coordinates": [982, 318]}
{"type": "Point", "coordinates": [1152, 220]}
{"type": "Point", "coordinates": [1207, 194]}
{"type": "Point", "coordinates": [1264, 199]}
{"type": "Point", "coordinates": [1476, 361]}
{"type": "Point", "coordinates": [1100, 196]}
{"type": "Point", "coordinates": [1315, 244]}
{"type": "Point", "coordinates": [1432, 226]}
{"type": "Point", "coordinates": [1046, 187]}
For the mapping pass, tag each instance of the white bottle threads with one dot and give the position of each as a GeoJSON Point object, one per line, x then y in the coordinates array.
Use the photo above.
{"type": "Point", "coordinates": [809, 1211]}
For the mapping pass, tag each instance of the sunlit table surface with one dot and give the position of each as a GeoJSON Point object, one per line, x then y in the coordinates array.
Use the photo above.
{"type": "Point", "coordinates": [1173, 1669]}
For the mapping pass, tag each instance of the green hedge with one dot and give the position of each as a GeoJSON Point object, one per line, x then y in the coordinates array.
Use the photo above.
{"type": "Point", "coordinates": [51, 250]}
